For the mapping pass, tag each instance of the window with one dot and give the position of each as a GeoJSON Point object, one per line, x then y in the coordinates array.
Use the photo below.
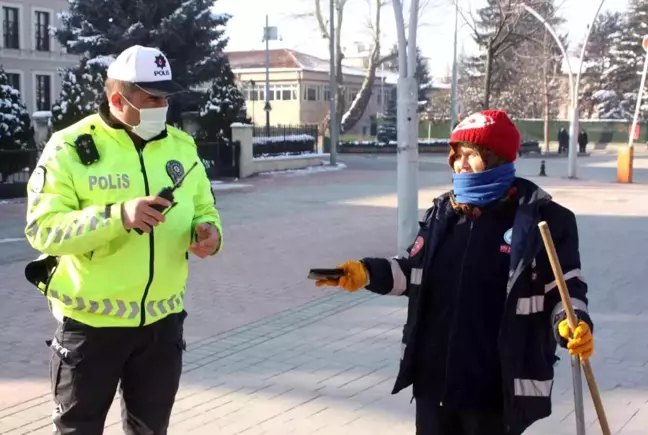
{"type": "Point", "coordinates": [43, 92]}
{"type": "Point", "coordinates": [326, 93]}
{"type": "Point", "coordinates": [42, 31]}
{"type": "Point", "coordinates": [289, 93]}
{"type": "Point", "coordinates": [10, 27]}
{"type": "Point", "coordinates": [14, 80]}
{"type": "Point", "coordinates": [284, 92]}
{"type": "Point", "coordinates": [310, 93]}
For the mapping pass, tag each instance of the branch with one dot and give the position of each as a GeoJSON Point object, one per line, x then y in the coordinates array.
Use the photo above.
{"type": "Point", "coordinates": [320, 20]}
{"type": "Point", "coordinates": [468, 22]}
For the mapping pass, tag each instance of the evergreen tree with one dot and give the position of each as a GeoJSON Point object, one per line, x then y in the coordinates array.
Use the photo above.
{"type": "Point", "coordinates": [624, 73]}
{"type": "Point", "coordinates": [424, 81]}
{"type": "Point", "coordinates": [16, 131]}
{"type": "Point", "coordinates": [597, 61]}
{"type": "Point", "coordinates": [387, 130]}
{"type": "Point", "coordinates": [422, 76]}
{"type": "Point", "coordinates": [224, 104]}
{"type": "Point", "coordinates": [81, 92]}
{"type": "Point", "coordinates": [187, 31]}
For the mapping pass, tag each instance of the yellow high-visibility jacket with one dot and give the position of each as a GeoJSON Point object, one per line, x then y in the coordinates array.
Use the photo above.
{"type": "Point", "coordinates": [107, 276]}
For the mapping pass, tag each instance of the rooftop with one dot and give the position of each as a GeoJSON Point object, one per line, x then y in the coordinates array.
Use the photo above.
{"type": "Point", "coordinates": [285, 58]}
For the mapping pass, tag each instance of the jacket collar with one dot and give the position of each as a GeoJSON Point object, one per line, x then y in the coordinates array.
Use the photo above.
{"type": "Point", "coordinates": [529, 193]}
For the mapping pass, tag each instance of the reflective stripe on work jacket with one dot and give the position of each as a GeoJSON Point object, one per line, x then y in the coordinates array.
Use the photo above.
{"type": "Point", "coordinates": [107, 276]}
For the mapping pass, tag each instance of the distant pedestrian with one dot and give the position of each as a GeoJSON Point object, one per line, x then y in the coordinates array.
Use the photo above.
{"type": "Point", "coordinates": [582, 141]}
{"type": "Point", "coordinates": [563, 140]}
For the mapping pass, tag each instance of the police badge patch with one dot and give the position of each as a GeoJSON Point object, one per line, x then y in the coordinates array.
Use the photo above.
{"type": "Point", "coordinates": [37, 181]}
{"type": "Point", "coordinates": [175, 170]}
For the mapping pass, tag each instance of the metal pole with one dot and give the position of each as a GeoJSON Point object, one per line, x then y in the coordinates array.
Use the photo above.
{"type": "Point", "coordinates": [637, 109]}
{"type": "Point", "coordinates": [267, 79]}
{"type": "Point", "coordinates": [582, 55]}
{"type": "Point", "coordinates": [574, 128]}
{"type": "Point", "coordinates": [333, 139]}
{"type": "Point", "coordinates": [382, 88]}
{"type": "Point", "coordinates": [573, 121]}
{"type": "Point", "coordinates": [453, 92]}
{"type": "Point", "coordinates": [579, 409]}
{"type": "Point", "coordinates": [407, 125]}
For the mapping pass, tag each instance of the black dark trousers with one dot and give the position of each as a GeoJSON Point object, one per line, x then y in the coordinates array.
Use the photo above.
{"type": "Point", "coordinates": [433, 419]}
{"type": "Point", "coordinates": [89, 363]}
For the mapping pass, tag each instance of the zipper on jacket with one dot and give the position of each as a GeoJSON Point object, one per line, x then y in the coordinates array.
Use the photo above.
{"type": "Point", "coordinates": [151, 243]}
{"type": "Point", "coordinates": [456, 310]}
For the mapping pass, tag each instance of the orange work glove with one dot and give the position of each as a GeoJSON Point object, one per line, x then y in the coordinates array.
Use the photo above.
{"type": "Point", "coordinates": [355, 277]}
{"type": "Point", "coordinates": [581, 342]}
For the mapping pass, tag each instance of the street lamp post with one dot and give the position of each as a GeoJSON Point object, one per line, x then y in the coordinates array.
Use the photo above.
{"type": "Point", "coordinates": [269, 34]}
{"type": "Point", "coordinates": [333, 125]}
{"type": "Point", "coordinates": [640, 95]}
{"type": "Point", "coordinates": [574, 84]}
{"type": "Point", "coordinates": [253, 97]}
{"type": "Point", "coordinates": [453, 91]}
{"type": "Point", "coordinates": [625, 159]}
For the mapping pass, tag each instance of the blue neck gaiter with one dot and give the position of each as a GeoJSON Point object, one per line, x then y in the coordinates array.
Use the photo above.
{"type": "Point", "coordinates": [481, 188]}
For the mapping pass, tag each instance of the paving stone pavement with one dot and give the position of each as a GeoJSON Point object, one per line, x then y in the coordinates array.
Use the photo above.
{"type": "Point", "coordinates": [270, 354]}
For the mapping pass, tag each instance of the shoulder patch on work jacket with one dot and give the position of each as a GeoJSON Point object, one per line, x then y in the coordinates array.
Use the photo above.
{"type": "Point", "coordinates": [175, 170]}
{"type": "Point", "coordinates": [508, 236]}
{"type": "Point", "coordinates": [37, 182]}
{"type": "Point", "coordinates": [418, 245]}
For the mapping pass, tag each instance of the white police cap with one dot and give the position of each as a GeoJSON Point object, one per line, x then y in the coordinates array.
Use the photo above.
{"type": "Point", "coordinates": [146, 67]}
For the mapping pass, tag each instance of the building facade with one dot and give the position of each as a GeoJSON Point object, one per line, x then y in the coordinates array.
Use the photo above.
{"type": "Point", "coordinates": [29, 54]}
{"type": "Point", "coordinates": [299, 88]}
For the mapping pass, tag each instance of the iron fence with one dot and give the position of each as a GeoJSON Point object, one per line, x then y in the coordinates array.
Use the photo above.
{"type": "Point", "coordinates": [221, 158]}
{"type": "Point", "coordinates": [278, 140]}
{"type": "Point", "coordinates": [15, 168]}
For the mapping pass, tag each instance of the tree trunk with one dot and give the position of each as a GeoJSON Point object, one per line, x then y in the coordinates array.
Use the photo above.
{"type": "Point", "coordinates": [325, 125]}
{"type": "Point", "coordinates": [489, 73]}
{"type": "Point", "coordinates": [360, 103]}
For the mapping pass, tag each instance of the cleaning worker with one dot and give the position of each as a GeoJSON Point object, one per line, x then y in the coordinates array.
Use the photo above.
{"type": "Point", "coordinates": [484, 313]}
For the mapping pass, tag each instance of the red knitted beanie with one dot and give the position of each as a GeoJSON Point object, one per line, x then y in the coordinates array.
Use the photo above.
{"type": "Point", "coordinates": [490, 129]}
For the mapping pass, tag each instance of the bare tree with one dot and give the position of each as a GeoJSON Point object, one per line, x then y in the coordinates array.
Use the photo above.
{"type": "Point", "coordinates": [500, 26]}
{"type": "Point", "coordinates": [349, 118]}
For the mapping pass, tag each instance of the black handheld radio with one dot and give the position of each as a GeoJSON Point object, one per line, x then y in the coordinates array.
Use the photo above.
{"type": "Point", "coordinates": [167, 193]}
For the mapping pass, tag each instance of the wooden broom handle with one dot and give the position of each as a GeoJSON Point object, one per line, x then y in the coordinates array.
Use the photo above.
{"type": "Point", "coordinates": [573, 322]}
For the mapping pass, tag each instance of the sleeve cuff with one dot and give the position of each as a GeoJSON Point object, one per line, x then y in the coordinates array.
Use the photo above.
{"type": "Point", "coordinates": [114, 216]}
{"type": "Point", "coordinates": [561, 316]}
{"type": "Point", "coordinates": [219, 230]}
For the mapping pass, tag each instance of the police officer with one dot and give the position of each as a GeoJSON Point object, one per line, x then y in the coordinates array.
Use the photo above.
{"type": "Point", "coordinates": [115, 267]}
{"type": "Point", "coordinates": [484, 312]}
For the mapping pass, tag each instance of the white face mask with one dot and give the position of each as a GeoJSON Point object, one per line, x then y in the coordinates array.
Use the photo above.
{"type": "Point", "coordinates": [152, 121]}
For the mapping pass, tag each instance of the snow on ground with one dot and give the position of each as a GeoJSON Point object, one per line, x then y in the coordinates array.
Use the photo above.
{"type": "Point", "coordinates": [220, 185]}
{"type": "Point", "coordinates": [306, 171]}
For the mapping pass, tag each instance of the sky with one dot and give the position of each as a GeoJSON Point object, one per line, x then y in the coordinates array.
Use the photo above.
{"type": "Point", "coordinates": [435, 31]}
